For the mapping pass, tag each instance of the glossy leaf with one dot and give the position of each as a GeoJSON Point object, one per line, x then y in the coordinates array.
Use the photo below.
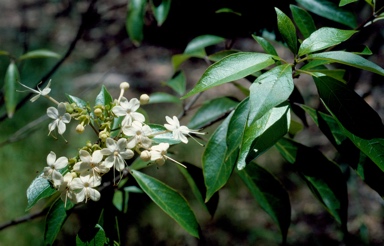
{"type": "Point", "coordinates": [197, 45]}
{"type": "Point", "coordinates": [169, 200]}
{"type": "Point", "coordinates": [165, 137]}
{"type": "Point", "coordinates": [270, 89]}
{"type": "Point", "coordinates": [12, 77]}
{"type": "Point", "coordinates": [287, 30]}
{"type": "Point", "coordinates": [91, 236]}
{"type": "Point", "coordinates": [178, 59]}
{"type": "Point", "coordinates": [212, 111]}
{"type": "Point", "coordinates": [349, 59]}
{"type": "Point", "coordinates": [337, 74]}
{"type": "Point", "coordinates": [103, 98]}
{"type": "Point", "coordinates": [324, 38]}
{"type": "Point", "coordinates": [303, 20]}
{"type": "Point", "coordinates": [323, 177]}
{"type": "Point", "coordinates": [39, 54]}
{"type": "Point", "coordinates": [178, 83]}
{"type": "Point", "coordinates": [39, 188]}
{"type": "Point", "coordinates": [135, 20]}
{"type": "Point", "coordinates": [216, 167]}
{"type": "Point", "coordinates": [161, 11]}
{"type": "Point", "coordinates": [330, 10]}
{"type": "Point", "coordinates": [230, 68]}
{"type": "Point", "coordinates": [162, 97]}
{"type": "Point", "coordinates": [270, 194]}
{"type": "Point", "coordinates": [263, 134]}
{"type": "Point", "coordinates": [78, 101]}
{"type": "Point", "coordinates": [267, 46]}
{"type": "Point", "coordinates": [221, 54]}
{"type": "Point", "coordinates": [55, 219]}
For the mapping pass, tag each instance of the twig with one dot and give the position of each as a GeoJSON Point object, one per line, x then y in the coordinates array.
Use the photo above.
{"type": "Point", "coordinates": [23, 219]}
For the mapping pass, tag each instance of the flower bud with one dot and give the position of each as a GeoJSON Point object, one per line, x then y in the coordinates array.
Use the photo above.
{"type": "Point", "coordinates": [124, 85]}
{"type": "Point", "coordinates": [103, 135]}
{"type": "Point", "coordinates": [145, 155]}
{"type": "Point", "coordinates": [160, 161]}
{"type": "Point", "coordinates": [80, 128]}
{"type": "Point", "coordinates": [144, 99]}
{"type": "Point", "coordinates": [98, 112]}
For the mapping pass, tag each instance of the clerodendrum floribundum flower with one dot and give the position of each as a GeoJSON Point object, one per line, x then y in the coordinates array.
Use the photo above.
{"type": "Point", "coordinates": [139, 133]}
{"type": "Point", "coordinates": [90, 164]}
{"type": "Point", "coordinates": [51, 171]}
{"type": "Point", "coordinates": [178, 131]}
{"type": "Point", "coordinates": [117, 152]}
{"type": "Point", "coordinates": [39, 92]}
{"type": "Point", "coordinates": [64, 186]}
{"type": "Point", "coordinates": [128, 109]}
{"type": "Point", "coordinates": [60, 118]}
{"type": "Point", "coordinates": [83, 187]}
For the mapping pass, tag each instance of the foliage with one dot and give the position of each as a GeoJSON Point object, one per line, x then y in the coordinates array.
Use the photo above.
{"type": "Point", "coordinates": [246, 128]}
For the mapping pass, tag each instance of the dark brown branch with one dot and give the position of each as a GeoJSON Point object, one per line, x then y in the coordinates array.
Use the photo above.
{"type": "Point", "coordinates": [23, 219]}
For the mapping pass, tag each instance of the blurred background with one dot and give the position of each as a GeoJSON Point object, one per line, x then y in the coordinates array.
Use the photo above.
{"type": "Point", "coordinates": [103, 54]}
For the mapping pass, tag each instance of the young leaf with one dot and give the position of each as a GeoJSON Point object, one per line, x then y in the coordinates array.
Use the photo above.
{"type": "Point", "coordinates": [345, 2]}
{"type": "Point", "coordinates": [103, 98]}
{"type": "Point", "coordinates": [211, 111]}
{"type": "Point", "coordinates": [55, 219]}
{"type": "Point", "coordinates": [91, 236]}
{"type": "Point", "coordinates": [40, 188]}
{"type": "Point", "coordinates": [323, 177]}
{"type": "Point", "coordinates": [216, 167]}
{"type": "Point", "coordinates": [349, 59]}
{"type": "Point", "coordinates": [161, 11]}
{"type": "Point", "coordinates": [169, 200]}
{"type": "Point", "coordinates": [324, 38]}
{"type": "Point", "coordinates": [330, 10]}
{"type": "Point", "coordinates": [197, 46]}
{"type": "Point", "coordinates": [267, 46]}
{"type": "Point", "coordinates": [39, 54]}
{"type": "Point", "coordinates": [263, 134]}
{"type": "Point", "coordinates": [162, 97]}
{"type": "Point", "coordinates": [135, 20]}
{"type": "Point", "coordinates": [287, 30]}
{"type": "Point", "coordinates": [79, 102]}
{"type": "Point", "coordinates": [178, 83]}
{"type": "Point", "coordinates": [303, 20]}
{"type": "Point", "coordinates": [270, 89]}
{"type": "Point", "coordinates": [230, 68]}
{"type": "Point", "coordinates": [270, 194]}
{"type": "Point", "coordinates": [12, 77]}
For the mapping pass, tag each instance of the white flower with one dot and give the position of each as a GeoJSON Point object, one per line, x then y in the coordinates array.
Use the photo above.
{"type": "Point", "coordinates": [64, 186]}
{"type": "Point", "coordinates": [39, 92]}
{"type": "Point", "coordinates": [158, 153]}
{"type": "Point", "coordinates": [90, 164]}
{"type": "Point", "coordinates": [117, 152]}
{"type": "Point", "coordinates": [178, 131]}
{"type": "Point", "coordinates": [84, 188]}
{"type": "Point", "coordinates": [51, 172]}
{"type": "Point", "coordinates": [128, 109]}
{"type": "Point", "coordinates": [139, 133]}
{"type": "Point", "coordinates": [60, 118]}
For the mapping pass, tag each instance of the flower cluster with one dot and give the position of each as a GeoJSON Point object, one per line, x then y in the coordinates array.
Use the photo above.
{"type": "Point", "coordinates": [122, 134]}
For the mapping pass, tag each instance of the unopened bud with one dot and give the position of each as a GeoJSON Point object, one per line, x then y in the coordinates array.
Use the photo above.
{"type": "Point", "coordinates": [160, 161]}
{"type": "Point", "coordinates": [124, 85]}
{"type": "Point", "coordinates": [80, 128]}
{"type": "Point", "coordinates": [144, 99]}
{"type": "Point", "coordinates": [145, 155]}
{"type": "Point", "coordinates": [98, 112]}
{"type": "Point", "coordinates": [103, 135]}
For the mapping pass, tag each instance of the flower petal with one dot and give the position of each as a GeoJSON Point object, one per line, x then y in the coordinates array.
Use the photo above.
{"type": "Point", "coordinates": [93, 194]}
{"type": "Point", "coordinates": [97, 156]}
{"type": "Point", "coordinates": [52, 113]}
{"type": "Point", "coordinates": [119, 111]}
{"type": "Point", "coordinates": [61, 108]}
{"type": "Point", "coordinates": [51, 158]}
{"type": "Point", "coordinates": [61, 127]}
{"type": "Point", "coordinates": [61, 163]}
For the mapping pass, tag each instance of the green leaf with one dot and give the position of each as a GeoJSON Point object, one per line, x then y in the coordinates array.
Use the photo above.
{"type": "Point", "coordinates": [270, 194]}
{"type": "Point", "coordinates": [221, 54]}
{"type": "Point", "coordinates": [161, 11]}
{"type": "Point", "coordinates": [91, 236]}
{"type": "Point", "coordinates": [178, 59]}
{"type": "Point", "coordinates": [103, 98]}
{"type": "Point", "coordinates": [55, 219]}
{"type": "Point", "coordinates": [169, 200]}
{"type": "Point", "coordinates": [337, 74]}
{"type": "Point", "coordinates": [303, 20]}
{"type": "Point", "coordinates": [349, 59]}
{"type": "Point", "coordinates": [212, 111]}
{"type": "Point", "coordinates": [314, 64]}
{"type": "Point", "coordinates": [178, 82]}
{"type": "Point", "coordinates": [323, 177]}
{"type": "Point", "coordinates": [135, 20]}
{"type": "Point", "coordinates": [39, 54]}
{"type": "Point", "coordinates": [216, 168]}
{"type": "Point", "coordinates": [166, 137]}
{"type": "Point", "coordinates": [267, 46]}
{"type": "Point", "coordinates": [324, 38]}
{"type": "Point", "coordinates": [263, 134]}
{"type": "Point", "coordinates": [78, 101]}
{"type": "Point", "coordinates": [270, 89]}
{"type": "Point", "coordinates": [196, 46]}
{"type": "Point", "coordinates": [227, 10]}
{"type": "Point", "coordinates": [162, 97]}
{"type": "Point", "coordinates": [330, 10]}
{"type": "Point", "coordinates": [287, 30]}
{"type": "Point", "coordinates": [230, 68]}
{"type": "Point", "coordinates": [345, 2]}
{"type": "Point", "coordinates": [12, 77]}
{"type": "Point", "coordinates": [40, 188]}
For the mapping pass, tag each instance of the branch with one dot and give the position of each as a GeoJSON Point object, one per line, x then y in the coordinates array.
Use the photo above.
{"type": "Point", "coordinates": [23, 219]}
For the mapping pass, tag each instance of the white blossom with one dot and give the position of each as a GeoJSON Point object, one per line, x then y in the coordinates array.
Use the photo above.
{"type": "Point", "coordinates": [178, 131]}
{"type": "Point", "coordinates": [60, 118]}
{"type": "Point", "coordinates": [39, 92]}
{"type": "Point", "coordinates": [51, 171]}
{"type": "Point", "coordinates": [139, 133]}
{"type": "Point", "coordinates": [128, 109]}
{"type": "Point", "coordinates": [158, 152]}
{"type": "Point", "coordinates": [90, 164]}
{"type": "Point", "coordinates": [116, 153]}
{"type": "Point", "coordinates": [83, 187]}
{"type": "Point", "coordinates": [64, 186]}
